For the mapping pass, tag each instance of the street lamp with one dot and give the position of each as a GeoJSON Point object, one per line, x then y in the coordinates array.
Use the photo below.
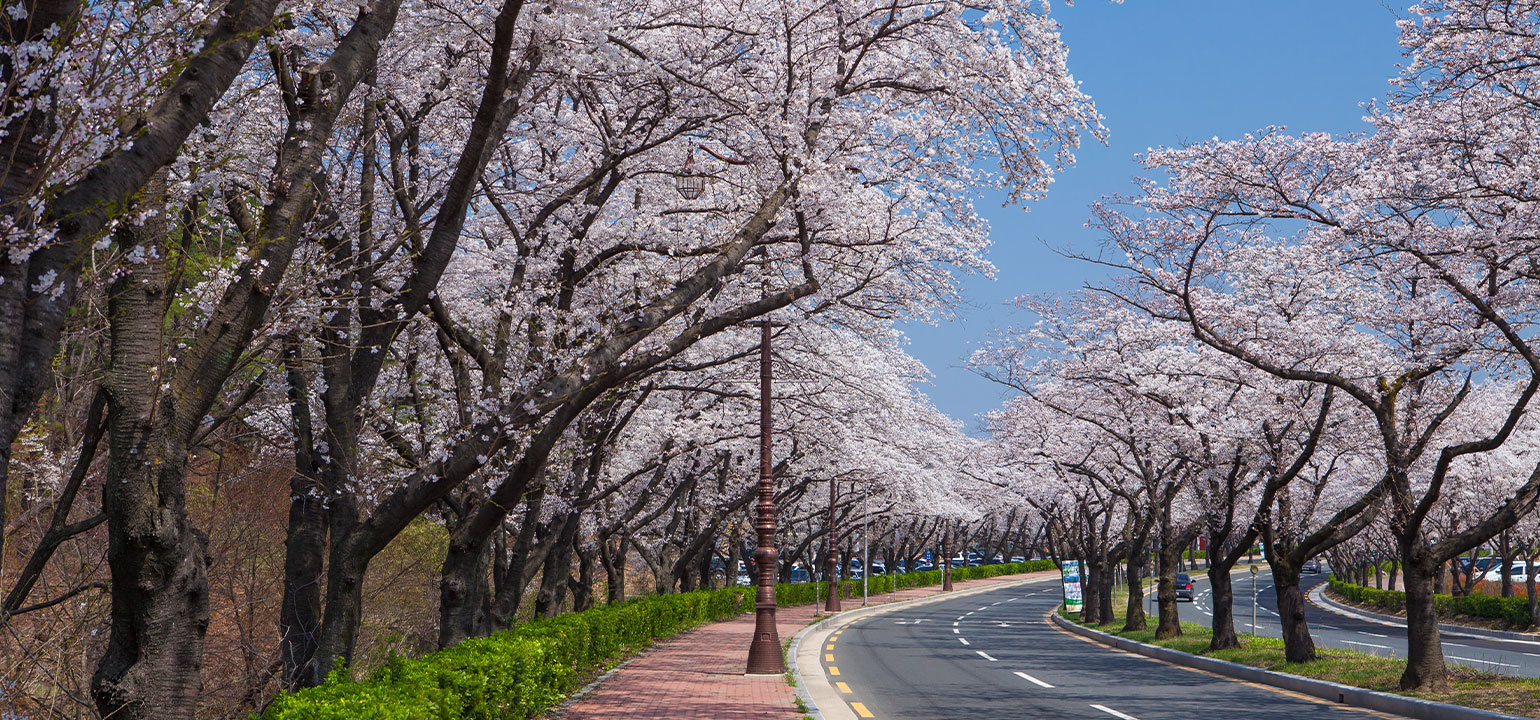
{"type": "Point", "coordinates": [946, 551]}
{"type": "Point", "coordinates": [690, 182]}
{"type": "Point", "coordinates": [831, 563]}
{"type": "Point", "coordinates": [866, 544]}
{"type": "Point", "coordinates": [765, 651]}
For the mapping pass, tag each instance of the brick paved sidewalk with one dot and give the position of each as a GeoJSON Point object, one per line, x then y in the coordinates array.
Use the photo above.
{"type": "Point", "coordinates": [698, 675]}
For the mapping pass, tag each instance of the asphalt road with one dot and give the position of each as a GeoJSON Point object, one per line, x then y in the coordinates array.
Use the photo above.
{"type": "Point", "coordinates": [995, 655]}
{"type": "Point", "coordinates": [1331, 629]}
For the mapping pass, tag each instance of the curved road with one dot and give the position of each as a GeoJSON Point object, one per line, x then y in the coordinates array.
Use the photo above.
{"type": "Point", "coordinates": [994, 655]}
{"type": "Point", "coordinates": [1332, 629]}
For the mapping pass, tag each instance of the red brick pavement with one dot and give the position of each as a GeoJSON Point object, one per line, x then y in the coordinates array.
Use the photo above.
{"type": "Point", "coordinates": [699, 674]}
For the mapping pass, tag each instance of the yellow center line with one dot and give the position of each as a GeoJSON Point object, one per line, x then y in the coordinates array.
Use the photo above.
{"type": "Point", "coordinates": [861, 710]}
{"type": "Point", "coordinates": [835, 671]}
{"type": "Point", "coordinates": [843, 687]}
{"type": "Point", "coordinates": [830, 646]}
{"type": "Point", "coordinates": [828, 657]}
{"type": "Point", "coordinates": [837, 632]}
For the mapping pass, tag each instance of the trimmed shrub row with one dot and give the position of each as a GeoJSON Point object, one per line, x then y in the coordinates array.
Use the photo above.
{"type": "Point", "coordinates": [804, 593]}
{"type": "Point", "coordinates": [520, 672]}
{"type": "Point", "coordinates": [1513, 611]}
{"type": "Point", "coordinates": [516, 673]}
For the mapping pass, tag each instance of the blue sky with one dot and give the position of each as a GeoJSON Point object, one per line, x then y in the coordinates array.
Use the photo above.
{"type": "Point", "coordinates": [1162, 72]}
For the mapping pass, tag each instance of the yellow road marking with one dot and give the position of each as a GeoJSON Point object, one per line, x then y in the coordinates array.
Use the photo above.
{"type": "Point", "coordinates": [861, 710]}
{"type": "Point", "coordinates": [837, 632]}
{"type": "Point", "coordinates": [833, 670]}
{"type": "Point", "coordinates": [843, 687]}
{"type": "Point", "coordinates": [828, 657]}
{"type": "Point", "coordinates": [830, 646]}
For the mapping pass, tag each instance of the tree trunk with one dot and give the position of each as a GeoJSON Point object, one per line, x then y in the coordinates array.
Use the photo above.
{"type": "Point", "coordinates": [1090, 593]}
{"type": "Point", "coordinates": [614, 563]}
{"type": "Point", "coordinates": [463, 591]}
{"type": "Point", "coordinates": [557, 571]}
{"type": "Point", "coordinates": [1104, 593]}
{"type": "Point", "coordinates": [299, 613]}
{"type": "Point", "coordinates": [1425, 670]}
{"type": "Point", "coordinates": [1133, 615]}
{"type": "Point", "coordinates": [1298, 646]}
{"type": "Point", "coordinates": [1170, 624]}
{"type": "Point", "coordinates": [1506, 548]}
{"type": "Point", "coordinates": [1529, 588]}
{"type": "Point", "coordinates": [160, 593]}
{"type": "Point", "coordinates": [583, 588]}
{"type": "Point", "coordinates": [1224, 637]}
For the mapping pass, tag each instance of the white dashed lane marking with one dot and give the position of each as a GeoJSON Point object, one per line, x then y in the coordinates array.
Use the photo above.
{"type": "Point", "coordinates": [985, 655]}
{"type": "Point", "coordinates": [1031, 679]}
{"type": "Point", "coordinates": [1112, 712]}
{"type": "Point", "coordinates": [1355, 642]}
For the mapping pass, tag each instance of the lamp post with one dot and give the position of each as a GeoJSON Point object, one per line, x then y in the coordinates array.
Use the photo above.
{"type": "Point", "coordinates": [831, 561]}
{"type": "Point", "coordinates": [765, 651]}
{"type": "Point", "coordinates": [866, 544]}
{"type": "Point", "coordinates": [946, 552]}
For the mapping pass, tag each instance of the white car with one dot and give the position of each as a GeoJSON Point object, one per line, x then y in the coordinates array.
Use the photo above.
{"type": "Point", "coordinates": [1519, 571]}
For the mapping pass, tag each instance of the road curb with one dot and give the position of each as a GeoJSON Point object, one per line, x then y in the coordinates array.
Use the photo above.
{"type": "Point", "coordinates": [1333, 605]}
{"type": "Point", "coordinates": [834, 707]}
{"type": "Point", "coordinates": [1329, 691]}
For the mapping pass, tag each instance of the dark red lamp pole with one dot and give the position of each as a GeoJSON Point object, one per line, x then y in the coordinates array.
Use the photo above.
{"type": "Point", "coordinates": [832, 573]}
{"type": "Point", "coordinates": [765, 651]}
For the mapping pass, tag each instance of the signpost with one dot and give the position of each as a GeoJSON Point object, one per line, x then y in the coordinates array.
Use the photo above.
{"type": "Point", "coordinates": [1073, 601]}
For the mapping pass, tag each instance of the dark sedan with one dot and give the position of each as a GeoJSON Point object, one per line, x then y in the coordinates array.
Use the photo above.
{"type": "Point", "coordinates": [1183, 587]}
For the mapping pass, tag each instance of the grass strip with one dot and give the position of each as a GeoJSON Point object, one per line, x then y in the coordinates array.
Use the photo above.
{"type": "Point", "coordinates": [1469, 687]}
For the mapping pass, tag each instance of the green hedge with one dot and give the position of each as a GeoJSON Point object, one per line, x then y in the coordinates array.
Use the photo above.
{"type": "Point", "coordinates": [516, 673]}
{"type": "Point", "coordinates": [521, 672]}
{"type": "Point", "coordinates": [804, 593]}
{"type": "Point", "coordinates": [1514, 611]}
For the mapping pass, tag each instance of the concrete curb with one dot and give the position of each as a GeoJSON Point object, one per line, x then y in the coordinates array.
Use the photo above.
{"type": "Point", "coordinates": [1445, 628]}
{"type": "Point", "coordinates": [1329, 691]}
{"type": "Point", "coordinates": [815, 689]}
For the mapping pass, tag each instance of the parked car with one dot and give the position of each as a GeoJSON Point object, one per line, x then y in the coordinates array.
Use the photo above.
{"type": "Point", "coordinates": [1519, 571]}
{"type": "Point", "coordinates": [800, 575]}
{"type": "Point", "coordinates": [1483, 564]}
{"type": "Point", "coordinates": [923, 567]}
{"type": "Point", "coordinates": [1017, 559]}
{"type": "Point", "coordinates": [1183, 587]}
{"type": "Point", "coordinates": [1311, 566]}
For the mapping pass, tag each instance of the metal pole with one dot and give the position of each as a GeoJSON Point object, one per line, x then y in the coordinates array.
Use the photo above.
{"type": "Point", "coordinates": [765, 650]}
{"type": "Point", "coordinates": [1254, 599]}
{"type": "Point", "coordinates": [832, 603]}
{"type": "Point", "coordinates": [866, 543]}
{"type": "Point", "coordinates": [946, 550]}
{"type": "Point", "coordinates": [893, 571]}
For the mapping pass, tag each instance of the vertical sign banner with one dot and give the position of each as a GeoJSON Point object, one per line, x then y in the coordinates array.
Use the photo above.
{"type": "Point", "coordinates": [1072, 599]}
